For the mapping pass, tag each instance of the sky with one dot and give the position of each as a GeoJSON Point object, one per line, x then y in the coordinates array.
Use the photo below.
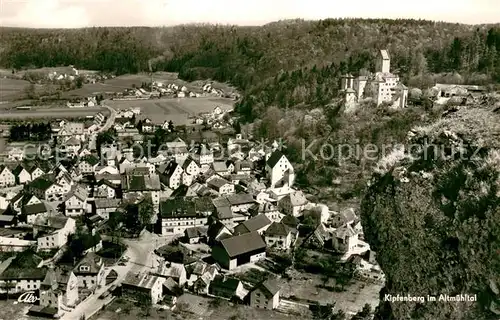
{"type": "Point", "coordinates": [88, 13]}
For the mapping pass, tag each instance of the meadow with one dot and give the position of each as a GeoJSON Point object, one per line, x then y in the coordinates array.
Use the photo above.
{"type": "Point", "coordinates": [179, 110]}
{"type": "Point", "coordinates": [120, 83]}
{"type": "Point", "coordinates": [11, 89]}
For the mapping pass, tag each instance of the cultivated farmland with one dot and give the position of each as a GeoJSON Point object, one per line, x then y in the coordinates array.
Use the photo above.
{"type": "Point", "coordinates": [178, 110]}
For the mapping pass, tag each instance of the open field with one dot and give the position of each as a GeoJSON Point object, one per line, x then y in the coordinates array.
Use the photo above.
{"type": "Point", "coordinates": [177, 110]}
{"type": "Point", "coordinates": [165, 77]}
{"type": "Point", "coordinates": [191, 307]}
{"type": "Point", "coordinates": [120, 83]}
{"type": "Point", "coordinates": [51, 113]}
{"type": "Point", "coordinates": [12, 88]}
{"type": "Point", "coordinates": [90, 89]}
{"type": "Point", "coordinates": [351, 300]}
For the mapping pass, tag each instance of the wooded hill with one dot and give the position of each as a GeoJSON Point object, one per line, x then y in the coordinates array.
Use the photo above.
{"type": "Point", "coordinates": [246, 55]}
{"type": "Point", "coordinates": [261, 60]}
{"type": "Point", "coordinates": [287, 71]}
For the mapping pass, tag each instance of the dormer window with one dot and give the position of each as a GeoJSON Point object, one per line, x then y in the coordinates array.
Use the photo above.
{"type": "Point", "coordinates": [84, 268]}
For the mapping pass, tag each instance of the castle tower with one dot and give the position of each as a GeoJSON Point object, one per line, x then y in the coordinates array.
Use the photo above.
{"type": "Point", "coordinates": [383, 62]}
{"type": "Point", "coordinates": [346, 81]}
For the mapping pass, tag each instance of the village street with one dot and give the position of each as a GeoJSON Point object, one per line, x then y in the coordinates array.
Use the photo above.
{"type": "Point", "coordinates": [140, 258]}
{"type": "Point", "coordinates": [110, 120]}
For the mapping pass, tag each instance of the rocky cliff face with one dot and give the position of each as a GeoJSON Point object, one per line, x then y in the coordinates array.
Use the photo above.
{"type": "Point", "coordinates": [432, 214]}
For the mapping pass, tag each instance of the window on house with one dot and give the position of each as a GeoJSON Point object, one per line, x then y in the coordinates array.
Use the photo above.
{"type": "Point", "coordinates": [84, 268]}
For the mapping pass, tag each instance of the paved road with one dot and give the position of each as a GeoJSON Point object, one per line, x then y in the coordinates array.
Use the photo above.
{"type": "Point", "coordinates": [110, 120]}
{"type": "Point", "coordinates": [140, 257]}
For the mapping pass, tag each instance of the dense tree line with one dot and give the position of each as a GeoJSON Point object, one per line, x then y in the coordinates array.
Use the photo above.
{"type": "Point", "coordinates": [288, 58]}
{"type": "Point", "coordinates": [479, 52]}
{"type": "Point", "coordinates": [120, 50]}
{"type": "Point", "coordinates": [30, 132]}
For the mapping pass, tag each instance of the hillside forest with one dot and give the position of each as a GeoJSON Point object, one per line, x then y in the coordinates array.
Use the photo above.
{"type": "Point", "coordinates": [288, 72]}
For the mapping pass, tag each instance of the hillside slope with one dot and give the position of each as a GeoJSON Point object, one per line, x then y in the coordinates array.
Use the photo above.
{"type": "Point", "coordinates": [248, 55]}
{"type": "Point", "coordinates": [435, 221]}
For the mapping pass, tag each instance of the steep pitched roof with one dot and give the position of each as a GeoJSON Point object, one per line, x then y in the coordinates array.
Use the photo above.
{"type": "Point", "coordinates": [265, 207]}
{"type": "Point", "coordinates": [217, 183]}
{"type": "Point", "coordinates": [214, 229]}
{"type": "Point", "coordinates": [268, 287]}
{"type": "Point", "coordinates": [244, 243]}
{"type": "Point", "coordinates": [41, 183]}
{"type": "Point", "coordinates": [203, 150]}
{"type": "Point", "coordinates": [188, 162]}
{"type": "Point", "coordinates": [141, 182]}
{"type": "Point", "coordinates": [107, 183]}
{"type": "Point", "coordinates": [91, 260]}
{"type": "Point", "coordinates": [54, 222]}
{"type": "Point", "coordinates": [219, 166]}
{"type": "Point", "coordinates": [195, 232]}
{"type": "Point", "coordinates": [221, 202]}
{"type": "Point", "coordinates": [34, 208]}
{"type": "Point", "coordinates": [344, 232]}
{"type": "Point", "coordinates": [321, 234]}
{"type": "Point", "coordinates": [56, 279]}
{"type": "Point", "coordinates": [225, 283]}
{"type": "Point", "coordinates": [18, 169]}
{"type": "Point", "coordinates": [348, 215]}
{"type": "Point", "coordinates": [290, 221]}
{"type": "Point", "coordinates": [180, 207]}
{"type": "Point", "coordinates": [90, 159]}
{"type": "Point", "coordinates": [4, 167]}
{"type": "Point", "coordinates": [79, 192]}
{"type": "Point", "coordinates": [224, 213]}
{"type": "Point", "coordinates": [241, 198]}
{"type": "Point", "coordinates": [274, 158]}
{"type": "Point", "coordinates": [33, 167]}
{"type": "Point", "coordinates": [170, 169]}
{"type": "Point", "coordinates": [297, 198]}
{"type": "Point", "coordinates": [277, 229]}
{"type": "Point", "coordinates": [253, 224]}
{"type": "Point", "coordinates": [173, 270]}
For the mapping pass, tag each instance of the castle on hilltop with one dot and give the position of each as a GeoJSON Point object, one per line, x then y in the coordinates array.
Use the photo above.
{"type": "Point", "coordinates": [383, 86]}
